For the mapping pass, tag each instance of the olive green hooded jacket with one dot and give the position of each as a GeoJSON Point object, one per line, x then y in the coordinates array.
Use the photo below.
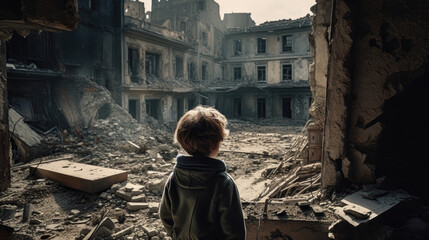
{"type": "Point", "coordinates": [201, 201]}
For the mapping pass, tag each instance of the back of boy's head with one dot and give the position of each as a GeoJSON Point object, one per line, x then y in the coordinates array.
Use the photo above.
{"type": "Point", "coordinates": [201, 130]}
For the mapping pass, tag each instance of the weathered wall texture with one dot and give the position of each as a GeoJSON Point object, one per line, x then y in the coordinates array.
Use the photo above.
{"type": "Point", "coordinates": [4, 126]}
{"type": "Point", "coordinates": [375, 101]}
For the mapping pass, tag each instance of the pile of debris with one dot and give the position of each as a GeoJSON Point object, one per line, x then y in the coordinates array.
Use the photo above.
{"type": "Point", "coordinates": [302, 180]}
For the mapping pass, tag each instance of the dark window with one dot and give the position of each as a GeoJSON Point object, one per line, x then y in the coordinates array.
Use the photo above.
{"type": "Point", "coordinates": [237, 73]}
{"type": "Point", "coordinates": [262, 45]}
{"type": "Point", "coordinates": [192, 74]}
{"type": "Point", "coordinates": [287, 109]}
{"type": "Point", "coordinates": [152, 63]}
{"type": "Point", "coordinates": [132, 108]}
{"type": "Point", "coordinates": [262, 74]}
{"type": "Point", "coordinates": [133, 62]}
{"type": "Point", "coordinates": [183, 26]}
{"type": "Point", "coordinates": [153, 108]}
{"type": "Point", "coordinates": [180, 109]}
{"type": "Point", "coordinates": [204, 73]}
{"type": "Point", "coordinates": [237, 47]}
{"type": "Point", "coordinates": [261, 107]}
{"type": "Point", "coordinates": [237, 107]}
{"type": "Point", "coordinates": [179, 67]}
{"type": "Point", "coordinates": [93, 4]}
{"type": "Point", "coordinates": [287, 43]}
{"type": "Point", "coordinates": [204, 38]}
{"type": "Point", "coordinates": [201, 5]}
{"type": "Point", "coordinates": [287, 72]}
{"type": "Point", "coordinates": [191, 103]}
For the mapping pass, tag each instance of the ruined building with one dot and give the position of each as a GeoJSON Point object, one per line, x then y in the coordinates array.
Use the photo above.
{"type": "Point", "coordinates": [181, 54]}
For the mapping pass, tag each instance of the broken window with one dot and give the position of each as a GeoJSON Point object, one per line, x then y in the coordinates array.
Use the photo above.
{"type": "Point", "coordinates": [152, 63]}
{"type": "Point", "coordinates": [180, 109]}
{"type": "Point", "coordinates": [183, 26]}
{"type": "Point", "coordinates": [287, 43]}
{"type": "Point", "coordinates": [153, 107]}
{"type": "Point", "coordinates": [133, 63]}
{"type": "Point", "coordinates": [132, 108]}
{"type": "Point", "coordinates": [262, 45]}
{"type": "Point", "coordinates": [179, 67]}
{"type": "Point", "coordinates": [192, 75]}
{"type": "Point", "coordinates": [287, 72]}
{"type": "Point", "coordinates": [287, 107]}
{"type": "Point", "coordinates": [237, 107]}
{"type": "Point", "coordinates": [237, 73]}
{"type": "Point", "coordinates": [204, 38]}
{"type": "Point", "coordinates": [261, 107]}
{"type": "Point", "coordinates": [204, 73]}
{"type": "Point", "coordinates": [201, 5]}
{"type": "Point", "coordinates": [262, 74]}
{"type": "Point", "coordinates": [191, 103]}
{"type": "Point", "coordinates": [237, 47]}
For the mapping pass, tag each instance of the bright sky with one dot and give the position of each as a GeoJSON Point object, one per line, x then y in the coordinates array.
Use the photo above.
{"type": "Point", "coordinates": [261, 10]}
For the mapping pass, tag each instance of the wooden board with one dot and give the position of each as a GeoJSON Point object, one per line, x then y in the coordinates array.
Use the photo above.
{"type": "Point", "coordinates": [79, 176]}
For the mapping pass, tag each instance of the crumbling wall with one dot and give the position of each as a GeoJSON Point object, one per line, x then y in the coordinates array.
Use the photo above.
{"type": "Point", "coordinates": [377, 80]}
{"type": "Point", "coordinates": [319, 38]}
{"type": "Point", "coordinates": [4, 126]}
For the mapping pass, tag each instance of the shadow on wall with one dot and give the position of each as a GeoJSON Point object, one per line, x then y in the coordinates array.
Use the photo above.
{"type": "Point", "coordinates": [401, 150]}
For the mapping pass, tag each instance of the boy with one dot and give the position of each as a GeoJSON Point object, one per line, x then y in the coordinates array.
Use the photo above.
{"type": "Point", "coordinates": [200, 200]}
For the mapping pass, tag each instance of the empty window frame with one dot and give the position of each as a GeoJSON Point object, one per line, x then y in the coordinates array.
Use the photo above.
{"type": "Point", "coordinates": [133, 62]}
{"type": "Point", "coordinates": [153, 108]}
{"type": "Point", "coordinates": [261, 107]}
{"type": "Point", "coordinates": [204, 71]}
{"type": "Point", "coordinates": [133, 108]}
{"type": "Point", "coordinates": [287, 41]}
{"type": "Point", "coordinates": [237, 107]}
{"type": "Point", "coordinates": [237, 47]}
{"type": "Point", "coordinates": [204, 38]}
{"type": "Point", "coordinates": [192, 74]}
{"type": "Point", "coordinates": [262, 73]}
{"type": "Point", "coordinates": [287, 107]}
{"type": "Point", "coordinates": [286, 72]}
{"type": "Point", "coordinates": [261, 45]}
{"type": "Point", "coordinates": [179, 67]}
{"type": "Point", "coordinates": [152, 64]}
{"type": "Point", "coordinates": [237, 73]}
{"type": "Point", "coordinates": [201, 5]}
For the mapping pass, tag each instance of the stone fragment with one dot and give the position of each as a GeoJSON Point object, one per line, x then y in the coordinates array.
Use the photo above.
{"type": "Point", "coordinates": [153, 207]}
{"type": "Point", "coordinates": [150, 231]}
{"type": "Point", "coordinates": [123, 232]}
{"type": "Point", "coordinates": [133, 206]}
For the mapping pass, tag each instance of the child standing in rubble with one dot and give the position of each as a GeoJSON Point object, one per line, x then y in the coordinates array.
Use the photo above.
{"type": "Point", "coordinates": [200, 200]}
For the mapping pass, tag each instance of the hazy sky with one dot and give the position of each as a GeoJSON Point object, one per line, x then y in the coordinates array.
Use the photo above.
{"type": "Point", "coordinates": [262, 10]}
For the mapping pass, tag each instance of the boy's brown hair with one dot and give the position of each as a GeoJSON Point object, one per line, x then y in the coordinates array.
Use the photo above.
{"type": "Point", "coordinates": [201, 130]}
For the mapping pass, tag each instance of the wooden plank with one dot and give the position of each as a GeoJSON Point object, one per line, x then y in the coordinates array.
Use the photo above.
{"type": "Point", "coordinates": [79, 176]}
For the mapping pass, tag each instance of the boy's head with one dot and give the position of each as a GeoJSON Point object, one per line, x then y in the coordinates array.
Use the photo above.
{"type": "Point", "coordinates": [201, 130]}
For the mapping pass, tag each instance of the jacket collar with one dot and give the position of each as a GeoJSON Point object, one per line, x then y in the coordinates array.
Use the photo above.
{"type": "Point", "coordinates": [200, 163]}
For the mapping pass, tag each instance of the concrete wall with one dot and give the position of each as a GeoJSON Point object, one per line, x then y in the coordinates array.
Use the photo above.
{"type": "Point", "coordinates": [4, 120]}
{"type": "Point", "coordinates": [376, 87]}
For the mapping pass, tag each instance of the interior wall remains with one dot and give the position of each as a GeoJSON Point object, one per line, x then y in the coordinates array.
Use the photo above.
{"type": "Point", "coordinates": [376, 83]}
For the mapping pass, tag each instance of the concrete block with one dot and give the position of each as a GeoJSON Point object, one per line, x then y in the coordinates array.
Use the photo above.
{"type": "Point", "coordinates": [136, 206]}
{"type": "Point", "coordinates": [79, 176]}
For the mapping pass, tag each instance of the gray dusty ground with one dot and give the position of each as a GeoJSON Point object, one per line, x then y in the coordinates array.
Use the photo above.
{"type": "Point", "coordinates": [58, 212]}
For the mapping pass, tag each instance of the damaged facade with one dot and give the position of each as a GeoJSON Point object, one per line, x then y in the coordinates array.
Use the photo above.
{"type": "Point", "coordinates": [174, 62]}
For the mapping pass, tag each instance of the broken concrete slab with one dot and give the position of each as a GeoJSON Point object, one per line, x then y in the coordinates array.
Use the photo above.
{"type": "Point", "coordinates": [28, 143]}
{"type": "Point", "coordinates": [359, 209]}
{"type": "Point", "coordinates": [79, 176]}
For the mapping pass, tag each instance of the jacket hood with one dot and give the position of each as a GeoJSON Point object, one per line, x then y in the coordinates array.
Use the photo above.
{"type": "Point", "coordinates": [193, 172]}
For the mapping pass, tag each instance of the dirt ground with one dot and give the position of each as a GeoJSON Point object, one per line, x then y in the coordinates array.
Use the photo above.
{"type": "Point", "coordinates": [57, 212]}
